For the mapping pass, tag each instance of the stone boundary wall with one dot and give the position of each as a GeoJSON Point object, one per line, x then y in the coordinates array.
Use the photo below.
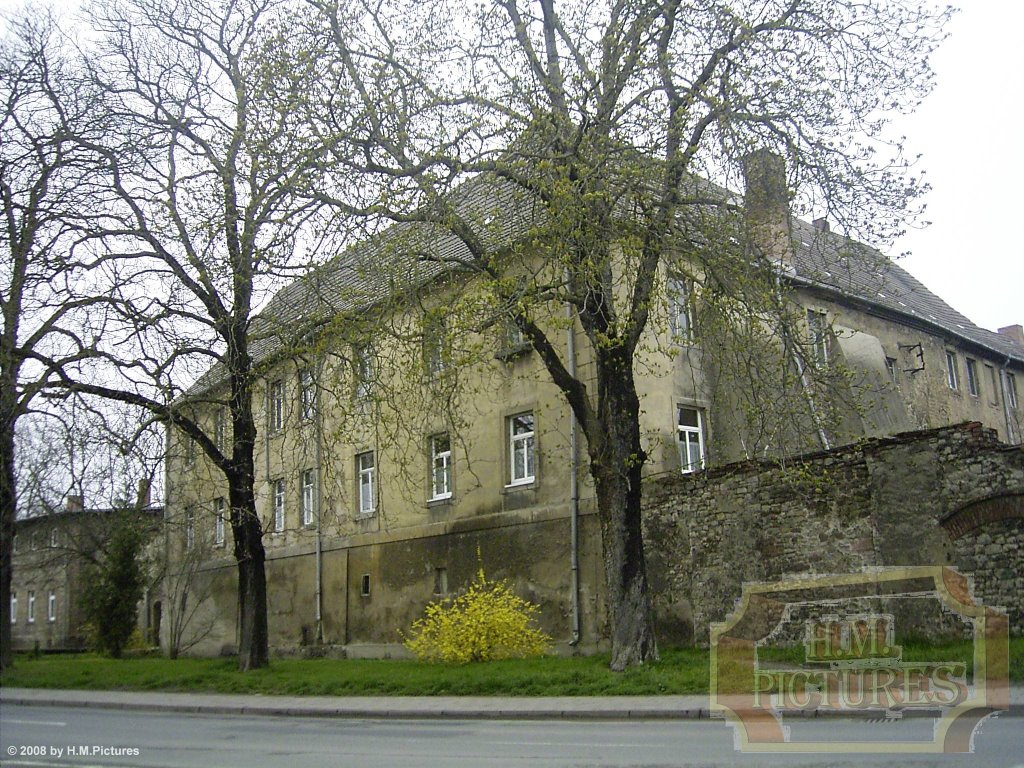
{"type": "Point", "coordinates": [947, 496]}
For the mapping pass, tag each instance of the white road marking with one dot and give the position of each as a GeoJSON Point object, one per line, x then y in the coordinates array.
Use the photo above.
{"type": "Point", "coordinates": [33, 722]}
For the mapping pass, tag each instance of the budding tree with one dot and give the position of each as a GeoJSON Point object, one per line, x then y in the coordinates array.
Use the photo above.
{"type": "Point", "coordinates": [203, 221]}
{"type": "Point", "coordinates": [604, 119]}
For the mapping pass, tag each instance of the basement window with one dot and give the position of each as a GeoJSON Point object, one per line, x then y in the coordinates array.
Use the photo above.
{"type": "Point", "coordinates": [440, 581]}
{"type": "Point", "coordinates": [364, 585]}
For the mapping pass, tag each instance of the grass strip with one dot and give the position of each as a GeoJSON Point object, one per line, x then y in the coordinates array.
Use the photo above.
{"type": "Point", "coordinates": [680, 671]}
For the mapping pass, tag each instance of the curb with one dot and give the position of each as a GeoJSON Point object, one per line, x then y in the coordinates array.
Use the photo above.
{"type": "Point", "coordinates": [370, 713]}
{"type": "Point", "coordinates": [426, 711]}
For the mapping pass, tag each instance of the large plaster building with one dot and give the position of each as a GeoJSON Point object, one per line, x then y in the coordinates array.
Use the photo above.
{"type": "Point", "coordinates": [391, 460]}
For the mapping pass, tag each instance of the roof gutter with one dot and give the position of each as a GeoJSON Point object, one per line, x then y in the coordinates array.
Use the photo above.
{"type": "Point", "coordinates": [915, 320]}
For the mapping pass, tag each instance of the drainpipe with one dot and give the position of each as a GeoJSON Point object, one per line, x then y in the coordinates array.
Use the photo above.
{"type": "Point", "coordinates": [318, 496]}
{"type": "Point", "coordinates": [574, 490]}
{"type": "Point", "coordinates": [805, 382]}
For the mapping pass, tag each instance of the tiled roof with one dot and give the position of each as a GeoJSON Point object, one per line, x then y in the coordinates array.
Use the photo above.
{"type": "Point", "coordinates": [828, 261]}
{"type": "Point", "coordinates": [408, 255]}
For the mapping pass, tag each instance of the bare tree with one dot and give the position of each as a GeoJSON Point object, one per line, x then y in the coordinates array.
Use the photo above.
{"type": "Point", "coordinates": [45, 187]}
{"type": "Point", "coordinates": [602, 120]}
{"type": "Point", "coordinates": [204, 221]}
{"type": "Point", "coordinates": [185, 597]}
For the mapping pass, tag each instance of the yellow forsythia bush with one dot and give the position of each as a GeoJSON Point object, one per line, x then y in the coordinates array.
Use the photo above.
{"type": "Point", "coordinates": [488, 622]}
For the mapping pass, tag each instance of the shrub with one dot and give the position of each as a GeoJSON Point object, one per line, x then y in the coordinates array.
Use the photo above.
{"type": "Point", "coordinates": [114, 587]}
{"type": "Point", "coordinates": [488, 622]}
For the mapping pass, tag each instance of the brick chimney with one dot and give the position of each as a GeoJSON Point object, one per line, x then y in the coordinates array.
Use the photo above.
{"type": "Point", "coordinates": [74, 504]}
{"type": "Point", "coordinates": [767, 206]}
{"type": "Point", "coordinates": [1015, 332]}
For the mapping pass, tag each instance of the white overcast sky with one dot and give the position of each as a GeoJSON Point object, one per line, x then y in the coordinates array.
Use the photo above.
{"type": "Point", "coordinates": [971, 135]}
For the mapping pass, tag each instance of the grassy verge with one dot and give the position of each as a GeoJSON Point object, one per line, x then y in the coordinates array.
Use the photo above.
{"type": "Point", "coordinates": [680, 671]}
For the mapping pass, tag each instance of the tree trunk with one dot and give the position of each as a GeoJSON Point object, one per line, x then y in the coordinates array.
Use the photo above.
{"type": "Point", "coordinates": [253, 637]}
{"type": "Point", "coordinates": [617, 461]}
{"type": "Point", "coordinates": [8, 511]}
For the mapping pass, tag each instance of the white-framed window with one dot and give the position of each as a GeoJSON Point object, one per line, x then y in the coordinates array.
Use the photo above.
{"type": "Point", "coordinates": [817, 326]}
{"type": "Point", "coordinates": [514, 336]}
{"type": "Point", "coordinates": [276, 405]}
{"type": "Point", "coordinates": [14, 607]}
{"type": "Point", "coordinates": [189, 449]}
{"type": "Point", "coordinates": [522, 449]}
{"type": "Point", "coordinates": [435, 346]}
{"type": "Point", "coordinates": [308, 496]}
{"type": "Point", "coordinates": [690, 426]}
{"type": "Point", "coordinates": [220, 513]}
{"type": "Point", "coordinates": [307, 394]}
{"type": "Point", "coordinates": [952, 373]}
{"type": "Point", "coordinates": [440, 467]}
{"type": "Point", "coordinates": [54, 538]}
{"type": "Point", "coordinates": [993, 384]}
{"type": "Point", "coordinates": [972, 377]}
{"type": "Point", "coordinates": [512, 341]}
{"type": "Point", "coordinates": [220, 429]}
{"type": "Point", "coordinates": [680, 308]}
{"type": "Point", "coordinates": [51, 607]}
{"type": "Point", "coordinates": [1011, 390]}
{"type": "Point", "coordinates": [362, 370]}
{"type": "Point", "coordinates": [277, 486]}
{"type": "Point", "coordinates": [890, 367]}
{"type": "Point", "coordinates": [366, 470]}
{"type": "Point", "coordinates": [190, 528]}
{"type": "Point", "coordinates": [31, 607]}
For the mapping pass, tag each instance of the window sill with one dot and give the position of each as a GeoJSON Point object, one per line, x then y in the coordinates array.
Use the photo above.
{"type": "Point", "coordinates": [513, 353]}
{"type": "Point", "coordinates": [521, 485]}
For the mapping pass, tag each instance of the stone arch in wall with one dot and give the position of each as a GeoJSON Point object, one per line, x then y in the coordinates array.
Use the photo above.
{"type": "Point", "coordinates": [987, 541]}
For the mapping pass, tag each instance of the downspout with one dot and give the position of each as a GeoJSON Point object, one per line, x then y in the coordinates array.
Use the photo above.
{"type": "Point", "coordinates": [318, 508]}
{"type": "Point", "coordinates": [826, 444]}
{"type": "Point", "coordinates": [574, 490]}
{"type": "Point", "coordinates": [805, 382]}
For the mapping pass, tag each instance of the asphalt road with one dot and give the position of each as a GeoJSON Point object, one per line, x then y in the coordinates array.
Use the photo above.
{"type": "Point", "coordinates": [42, 736]}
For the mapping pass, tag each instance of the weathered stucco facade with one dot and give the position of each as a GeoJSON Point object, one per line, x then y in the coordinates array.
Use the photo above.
{"type": "Point", "coordinates": [392, 465]}
{"type": "Point", "coordinates": [51, 554]}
